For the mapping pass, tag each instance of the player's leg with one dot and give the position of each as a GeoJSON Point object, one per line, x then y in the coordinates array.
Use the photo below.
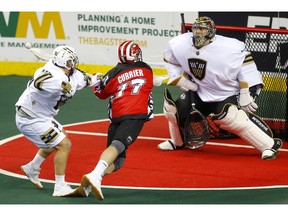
{"type": "Point", "coordinates": [31, 128]}
{"type": "Point", "coordinates": [257, 133]}
{"type": "Point", "coordinates": [61, 155]}
{"type": "Point", "coordinates": [175, 113]}
{"type": "Point", "coordinates": [49, 136]}
{"type": "Point", "coordinates": [54, 136]}
{"type": "Point", "coordinates": [94, 178]}
{"type": "Point", "coordinates": [112, 159]}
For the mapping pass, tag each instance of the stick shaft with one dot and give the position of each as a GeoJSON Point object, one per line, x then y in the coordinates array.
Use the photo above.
{"type": "Point", "coordinates": [40, 54]}
{"type": "Point", "coordinates": [183, 29]}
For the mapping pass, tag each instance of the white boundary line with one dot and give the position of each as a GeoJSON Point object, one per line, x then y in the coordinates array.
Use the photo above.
{"type": "Point", "coordinates": [5, 172]}
{"type": "Point", "coordinates": [163, 139]}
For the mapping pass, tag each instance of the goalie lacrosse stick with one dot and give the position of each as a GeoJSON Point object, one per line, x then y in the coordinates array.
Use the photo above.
{"type": "Point", "coordinates": [196, 128]}
{"type": "Point", "coordinates": [183, 28]}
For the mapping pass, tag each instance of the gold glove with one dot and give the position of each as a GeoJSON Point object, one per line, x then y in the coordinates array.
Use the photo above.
{"type": "Point", "coordinates": [66, 87]}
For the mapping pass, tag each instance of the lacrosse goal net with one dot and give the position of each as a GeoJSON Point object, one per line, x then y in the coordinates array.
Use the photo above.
{"type": "Point", "coordinates": [269, 48]}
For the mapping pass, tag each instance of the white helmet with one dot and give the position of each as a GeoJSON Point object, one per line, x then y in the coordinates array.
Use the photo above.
{"type": "Point", "coordinates": [66, 57]}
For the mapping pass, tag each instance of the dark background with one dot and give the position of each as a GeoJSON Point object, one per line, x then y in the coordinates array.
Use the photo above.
{"type": "Point", "coordinates": [237, 18]}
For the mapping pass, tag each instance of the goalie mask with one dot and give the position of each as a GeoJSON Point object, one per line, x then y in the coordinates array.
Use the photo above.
{"type": "Point", "coordinates": [203, 29]}
{"type": "Point", "coordinates": [66, 57]}
{"type": "Point", "coordinates": [129, 52]}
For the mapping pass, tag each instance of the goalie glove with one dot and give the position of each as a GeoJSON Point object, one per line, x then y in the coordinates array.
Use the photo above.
{"type": "Point", "coordinates": [246, 101]}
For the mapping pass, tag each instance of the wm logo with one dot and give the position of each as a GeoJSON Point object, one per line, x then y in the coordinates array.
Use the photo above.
{"type": "Point", "coordinates": [17, 25]}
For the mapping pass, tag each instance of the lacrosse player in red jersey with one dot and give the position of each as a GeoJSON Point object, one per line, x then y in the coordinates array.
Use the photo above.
{"type": "Point", "coordinates": [129, 89]}
{"type": "Point", "coordinates": [223, 79]}
{"type": "Point", "coordinates": [51, 87]}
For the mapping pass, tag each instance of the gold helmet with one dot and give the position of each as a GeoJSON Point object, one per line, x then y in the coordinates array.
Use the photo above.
{"type": "Point", "coordinates": [206, 23]}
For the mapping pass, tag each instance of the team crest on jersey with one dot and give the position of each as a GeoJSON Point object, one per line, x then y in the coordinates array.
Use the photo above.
{"type": "Point", "coordinates": [197, 67]}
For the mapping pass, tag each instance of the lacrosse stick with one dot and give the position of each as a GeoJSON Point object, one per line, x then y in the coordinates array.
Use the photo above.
{"type": "Point", "coordinates": [183, 29]}
{"type": "Point", "coordinates": [40, 54]}
{"type": "Point", "coordinates": [196, 128]}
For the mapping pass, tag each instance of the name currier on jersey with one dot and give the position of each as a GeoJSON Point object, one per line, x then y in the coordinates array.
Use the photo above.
{"type": "Point", "coordinates": [130, 74]}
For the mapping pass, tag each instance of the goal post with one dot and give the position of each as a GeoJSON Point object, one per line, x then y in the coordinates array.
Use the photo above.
{"type": "Point", "coordinates": [269, 48]}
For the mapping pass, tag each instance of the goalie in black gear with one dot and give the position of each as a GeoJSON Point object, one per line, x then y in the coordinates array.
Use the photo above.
{"type": "Point", "coordinates": [231, 120]}
{"type": "Point", "coordinates": [220, 71]}
{"type": "Point", "coordinates": [176, 113]}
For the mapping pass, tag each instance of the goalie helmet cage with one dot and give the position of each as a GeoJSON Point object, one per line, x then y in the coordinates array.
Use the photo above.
{"type": "Point", "coordinates": [269, 48]}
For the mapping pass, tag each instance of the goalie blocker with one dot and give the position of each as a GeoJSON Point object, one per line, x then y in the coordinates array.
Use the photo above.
{"type": "Point", "coordinates": [253, 130]}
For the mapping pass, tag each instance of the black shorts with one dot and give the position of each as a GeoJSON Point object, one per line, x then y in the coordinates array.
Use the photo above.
{"type": "Point", "coordinates": [125, 131]}
{"type": "Point", "coordinates": [184, 101]}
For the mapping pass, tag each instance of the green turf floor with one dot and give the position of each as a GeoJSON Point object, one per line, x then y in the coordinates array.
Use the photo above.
{"type": "Point", "coordinates": [84, 107]}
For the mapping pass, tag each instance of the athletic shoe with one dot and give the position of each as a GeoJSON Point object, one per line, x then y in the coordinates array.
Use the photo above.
{"type": "Point", "coordinates": [88, 180]}
{"type": "Point", "coordinates": [168, 145]}
{"type": "Point", "coordinates": [32, 174]}
{"type": "Point", "coordinates": [270, 154]}
{"type": "Point", "coordinates": [84, 191]}
{"type": "Point", "coordinates": [63, 190]}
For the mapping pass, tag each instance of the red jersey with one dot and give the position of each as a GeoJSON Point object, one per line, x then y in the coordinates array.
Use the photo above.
{"type": "Point", "coordinates": [129, 87]}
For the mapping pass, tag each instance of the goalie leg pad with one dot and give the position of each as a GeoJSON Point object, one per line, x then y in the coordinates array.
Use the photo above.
{"type": "Point", "coordinates": [170, 112]}
{"type": "Point", "coordinates": [237, 121]}
{"type": "Point", "coordinates": [270, 154]}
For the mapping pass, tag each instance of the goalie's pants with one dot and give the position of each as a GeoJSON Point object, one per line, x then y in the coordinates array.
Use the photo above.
{"type": "Point", "coordinates": [183, 104]}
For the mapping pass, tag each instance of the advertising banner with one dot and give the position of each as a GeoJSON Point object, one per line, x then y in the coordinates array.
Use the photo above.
{"type": "Point", "coordinates": [95, 35]}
